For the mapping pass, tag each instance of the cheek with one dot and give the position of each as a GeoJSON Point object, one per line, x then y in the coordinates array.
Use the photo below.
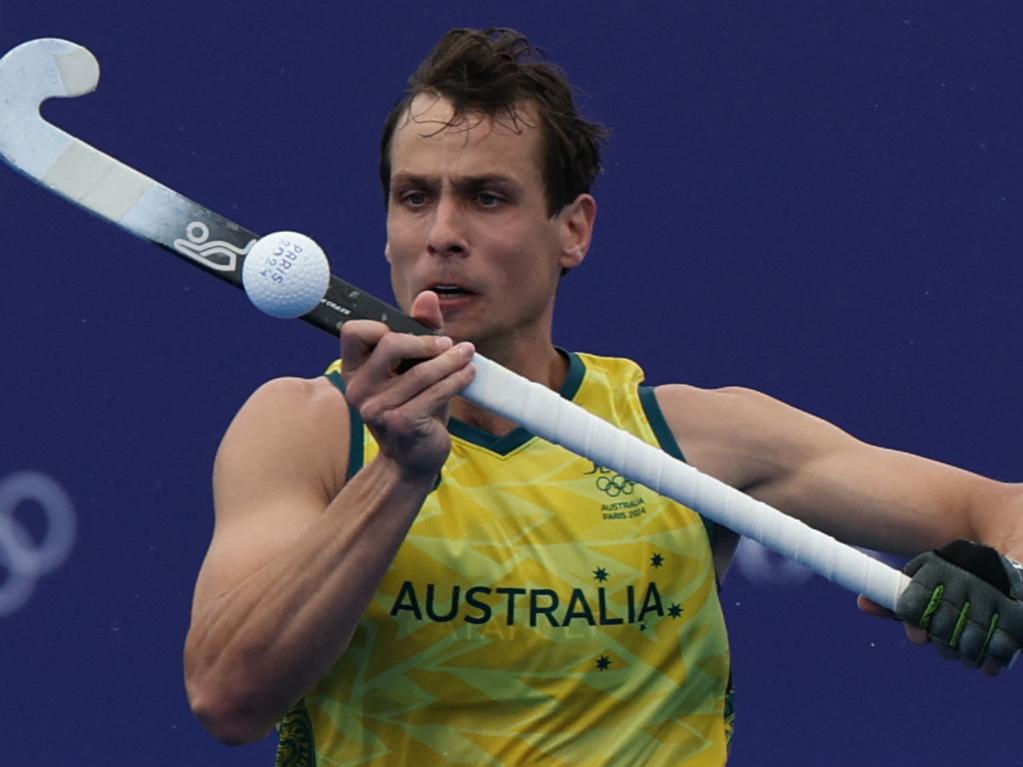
{"type": "Point", "coordinates": [536, 257]}
{"type": "Point", "coordinates": [400, 281]}
{"type": "Point", "coordinates": [397, 255]}
{"type": "Point", "coordinates": [403, 237]}
{"type": "Point", "coordinates": [529, 271]}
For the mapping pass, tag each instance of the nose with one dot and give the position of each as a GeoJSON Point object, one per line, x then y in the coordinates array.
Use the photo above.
{"type": "Point", "coordinates": [447, 236]}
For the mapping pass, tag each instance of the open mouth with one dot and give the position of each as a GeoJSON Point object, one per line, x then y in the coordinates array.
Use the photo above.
{"type": "Point", "coordinates": [450, 291]}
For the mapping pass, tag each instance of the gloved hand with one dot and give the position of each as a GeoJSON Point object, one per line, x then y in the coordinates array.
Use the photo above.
{"type": "Point", "coordinates": [969, 598]}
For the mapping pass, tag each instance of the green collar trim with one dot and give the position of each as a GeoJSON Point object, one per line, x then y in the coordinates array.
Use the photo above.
{"type": "Point", "coordinates": [515, 439]}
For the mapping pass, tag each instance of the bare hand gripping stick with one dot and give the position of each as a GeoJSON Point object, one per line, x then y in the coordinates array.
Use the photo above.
{"type": "Point", "coordinates": [48, 68]}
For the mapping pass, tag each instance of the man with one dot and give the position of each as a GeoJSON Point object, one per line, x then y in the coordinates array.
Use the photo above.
{"type": "Point", "coordinates": [405, 578]}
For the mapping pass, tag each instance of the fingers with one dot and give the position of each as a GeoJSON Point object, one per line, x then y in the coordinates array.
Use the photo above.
{"type": "Point", "coordinates": [401, 384]}
{"type": "Point", "coordinates": [967, 600]}
{"type": "Point", "coordinates": [372, 348]}
{"type": "Point", "coordinates": [920, 636]}
{"type": "Point", "coordinates": [916, 635]}
{"type": "Point", "coordinates": [966, 651]}
{"type": "Point", "coordinates": [407, 411]}
{"type": "Point", "coordinates": [991, 668]}
{"type": "Point", "coordinates": [423, 389]}
{"type": "Point", "coordinates": [360, 337]}
{"type": "Point", "coordinates": [873, 608]}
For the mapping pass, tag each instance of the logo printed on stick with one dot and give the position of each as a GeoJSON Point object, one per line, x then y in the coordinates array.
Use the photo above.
{"type": "Point", "coordinates": [198, 247]}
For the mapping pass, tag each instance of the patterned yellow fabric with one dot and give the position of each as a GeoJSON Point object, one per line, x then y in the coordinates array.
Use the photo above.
{"type": "Point", "coordinates": [542, 610]}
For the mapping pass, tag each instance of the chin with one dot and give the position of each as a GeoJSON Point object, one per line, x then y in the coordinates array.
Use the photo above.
{"type": "Point", "coordinates": [458, 334]}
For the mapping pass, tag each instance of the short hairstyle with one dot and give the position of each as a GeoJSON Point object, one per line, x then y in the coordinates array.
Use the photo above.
{"type": "Point", "coordinates": [489, 71]}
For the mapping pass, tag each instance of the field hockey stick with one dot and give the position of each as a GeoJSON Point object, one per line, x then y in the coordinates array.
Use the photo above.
{"type": "Point", "coordinates": [48, 68]}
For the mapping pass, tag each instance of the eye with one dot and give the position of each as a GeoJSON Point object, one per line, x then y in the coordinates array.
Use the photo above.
{"type": "Point", "coordinates": [413, 198]}
{"type": "Point", "coordinates": [489, 199]}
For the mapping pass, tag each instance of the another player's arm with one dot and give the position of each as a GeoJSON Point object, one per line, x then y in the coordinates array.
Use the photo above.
{"type": "Point", "coordinates": [297, 554]}
{"type": "Point", "coordinates": [859, 493]}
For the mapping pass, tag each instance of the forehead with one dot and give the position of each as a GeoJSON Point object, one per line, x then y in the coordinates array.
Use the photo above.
{"type": "Point", "coordinates": [430, 138]}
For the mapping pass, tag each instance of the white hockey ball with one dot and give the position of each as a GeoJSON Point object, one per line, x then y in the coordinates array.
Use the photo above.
{"type": "Point", "coordinates": [285, 274]}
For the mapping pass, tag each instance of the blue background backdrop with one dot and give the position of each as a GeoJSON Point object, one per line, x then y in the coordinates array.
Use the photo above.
{"type": "Point", "coordinates": [821, 201]}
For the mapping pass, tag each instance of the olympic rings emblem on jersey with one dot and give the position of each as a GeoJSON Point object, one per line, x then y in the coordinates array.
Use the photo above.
{"type": "Point", "coordinates": [23, 559]}
{"type": "Point", "coordinates": [614, 485]}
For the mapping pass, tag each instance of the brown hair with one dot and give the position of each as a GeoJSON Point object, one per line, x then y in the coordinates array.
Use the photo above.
{"type": "Point", "coordinates": [490, 70]}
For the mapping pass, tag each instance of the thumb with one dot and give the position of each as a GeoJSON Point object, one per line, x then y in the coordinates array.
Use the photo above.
{"type": "Point", "coordinates": [426, 309]}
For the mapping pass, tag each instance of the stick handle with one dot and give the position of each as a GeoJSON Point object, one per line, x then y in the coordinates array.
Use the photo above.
{"type": "Point", "coordinates": [546, 414]}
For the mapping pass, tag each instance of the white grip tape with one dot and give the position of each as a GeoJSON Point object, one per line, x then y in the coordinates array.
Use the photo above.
{"type": "Point", "coordinates": [546, 414]}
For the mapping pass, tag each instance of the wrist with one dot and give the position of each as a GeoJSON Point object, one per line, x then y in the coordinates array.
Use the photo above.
{"type": "Point", "coordinates": [416, 477]}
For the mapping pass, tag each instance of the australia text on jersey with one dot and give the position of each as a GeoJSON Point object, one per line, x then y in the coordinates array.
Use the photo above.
{"type": "Point", "coordinates": [515, 605]}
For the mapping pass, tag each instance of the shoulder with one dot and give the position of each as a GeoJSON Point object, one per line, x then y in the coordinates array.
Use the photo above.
{"type": "Point", "coordinates": [698, 409]}
{"type": "Point", "coordinates": [299, 403]}
{"type": "Point", "coordinates": [692, 403]}
{"type": "Point", "coordinates": [619, 370]}
{"type": "Point", "coordinates": [294, 425]}
{"type": "Point", "coordinates": [741, 436]}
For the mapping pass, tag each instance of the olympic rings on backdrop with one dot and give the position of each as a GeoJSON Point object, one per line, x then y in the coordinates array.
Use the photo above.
{"type": "Point", "coordinates": [22, 560]}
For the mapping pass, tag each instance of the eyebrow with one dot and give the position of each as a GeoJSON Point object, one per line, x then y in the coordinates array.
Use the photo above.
{"type": "Point", "coordinates": [461, 183]}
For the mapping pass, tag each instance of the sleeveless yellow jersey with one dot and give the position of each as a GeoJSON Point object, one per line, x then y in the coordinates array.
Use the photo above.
{"type": "Point", "coordinates": [543, 610]}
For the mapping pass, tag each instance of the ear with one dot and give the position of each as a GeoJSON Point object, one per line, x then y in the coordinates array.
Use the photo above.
{"type": "Point", "coordinates": [576, 219]}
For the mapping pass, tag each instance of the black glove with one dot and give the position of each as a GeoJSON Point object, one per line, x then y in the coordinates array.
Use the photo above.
{"type": "Point", "coordinates": [968, 597]}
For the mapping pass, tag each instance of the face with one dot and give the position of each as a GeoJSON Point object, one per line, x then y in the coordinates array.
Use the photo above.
{"type": "Point", "coordinates": [467, 218]}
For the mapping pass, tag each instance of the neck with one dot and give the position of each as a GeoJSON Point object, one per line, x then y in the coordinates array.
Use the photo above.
{"type": "Point", "coordinates": [549, 368]}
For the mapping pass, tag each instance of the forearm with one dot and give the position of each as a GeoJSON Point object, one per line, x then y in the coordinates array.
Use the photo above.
{"type": "Point", "coordinates": [997, 518]}
{"type": "Point", "coordinates": [901, 503]}
{"type": "Point", "coordinates": [255, 649]}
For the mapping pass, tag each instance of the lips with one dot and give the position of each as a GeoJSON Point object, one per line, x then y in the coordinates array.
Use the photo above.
{"type": "Point", "coordinates": [450, 290]}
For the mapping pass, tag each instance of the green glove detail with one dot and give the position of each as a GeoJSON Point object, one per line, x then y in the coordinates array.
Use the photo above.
{"type": "Point", "coordinates": [968, 597]}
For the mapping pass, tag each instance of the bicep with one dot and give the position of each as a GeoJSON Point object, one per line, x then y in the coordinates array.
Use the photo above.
{"type": "Point", "coordinates": [278, 466]}
{"type": "Point", "coordinates": [812, 470]}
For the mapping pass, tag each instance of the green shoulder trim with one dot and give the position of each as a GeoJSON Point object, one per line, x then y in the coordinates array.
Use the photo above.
{"type": "Point", "coordinates": [667, 441]}
{"type": "Point", "coordinates": [295, 744]}
{"type": "Point", "coordinates": [356, 457]}
{"type": "Point", "coordinates": [517, 438]}
{"type": "Point", "coordinates": [659, 423]}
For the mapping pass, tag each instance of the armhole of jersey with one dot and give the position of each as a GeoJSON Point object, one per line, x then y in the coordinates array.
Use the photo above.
{"type": "Point", "coordinates": [668, 442]}
{"type": "Point", "coordinates": [296, 739]}
{"type": "Point", "coordinates": [355, 440]}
